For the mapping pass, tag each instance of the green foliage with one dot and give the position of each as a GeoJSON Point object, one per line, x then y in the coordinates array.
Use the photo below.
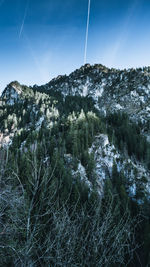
{"type": "Point", "coordinates": [53, 215]}
{"type": "Point", "coordinates": [127, 134]}
{"type": "Point", "coordinates": [51, 218]}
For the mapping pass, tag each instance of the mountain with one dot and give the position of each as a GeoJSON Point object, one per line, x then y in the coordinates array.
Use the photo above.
{"type": "Point", "coordinates": [111, 89]}
{"type": "Point", "coordinates": [76, 147]}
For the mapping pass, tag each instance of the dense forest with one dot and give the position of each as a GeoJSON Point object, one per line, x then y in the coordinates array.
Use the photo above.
{"type": "Point", "coordinates": [55, 210]}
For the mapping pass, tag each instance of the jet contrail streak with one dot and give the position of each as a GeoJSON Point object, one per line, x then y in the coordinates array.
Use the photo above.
{"type": "Point", "coordinates": [87, 32]}
{"type": "Point", "coordinates": [25, 14]}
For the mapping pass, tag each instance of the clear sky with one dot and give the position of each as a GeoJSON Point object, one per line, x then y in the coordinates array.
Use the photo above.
{"type": "Point", "coordinates": [40, 39]}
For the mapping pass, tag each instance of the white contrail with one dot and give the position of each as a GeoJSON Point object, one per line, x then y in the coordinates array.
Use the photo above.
{"type": "Point", "coordinates": [23, 21]}
{"type": "Point", "coordinates": [87, 32]}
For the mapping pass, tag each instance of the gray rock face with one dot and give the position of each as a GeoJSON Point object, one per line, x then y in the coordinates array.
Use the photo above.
{"type": "Point", "coordinates": [111, 89]}
{"type": "Point", "coordinates": [11, 93]}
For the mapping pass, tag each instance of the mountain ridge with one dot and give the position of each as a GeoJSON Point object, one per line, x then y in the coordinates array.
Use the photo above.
{"type": "Point", "coordinates": [80, 145]}
{"type": "Point", "coordinates": [97, 88]}
{"type": "Point", "coordinates": [110, 89]}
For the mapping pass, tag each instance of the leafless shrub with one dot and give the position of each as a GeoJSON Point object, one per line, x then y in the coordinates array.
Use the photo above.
{"type": "Point", "coordinates": [37, 231]}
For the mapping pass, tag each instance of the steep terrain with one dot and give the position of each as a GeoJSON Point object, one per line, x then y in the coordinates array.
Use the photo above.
{"type": "Point", "coordinates": [111, 89]}
{"type": "Point", "coordinates": [26, 109]}
{"type": "Point", "coordinates": [84, 138]}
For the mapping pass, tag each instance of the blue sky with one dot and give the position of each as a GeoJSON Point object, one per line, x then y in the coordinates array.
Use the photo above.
{"type": "Point", "coordinates": [40, 39]}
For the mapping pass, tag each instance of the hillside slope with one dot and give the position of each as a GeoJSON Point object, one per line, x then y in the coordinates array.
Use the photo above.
{"type": "Point", "coordinates": [77, 147]}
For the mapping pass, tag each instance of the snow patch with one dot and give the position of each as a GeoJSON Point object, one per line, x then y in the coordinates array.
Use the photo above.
{"type": "Point", "coordinates": [39, 123]}
{"type": "Point", "coordinates": [85, 88]}
{"type": "Point", "coordinates": [118, 106]}
{"type": "Point", "coordinates": [82, 173]}
{"type": "Point", "coordinates": [134, 93]}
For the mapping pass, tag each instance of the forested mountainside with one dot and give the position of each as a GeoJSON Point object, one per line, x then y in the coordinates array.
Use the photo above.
{"type": "Point", "coordinates": [75, 170]}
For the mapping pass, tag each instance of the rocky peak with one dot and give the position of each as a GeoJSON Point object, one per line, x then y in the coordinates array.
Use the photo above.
{"type": "Point", "coordinates": [11, 93]}
{"type": "Point", "coordinates": [111, 89]}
